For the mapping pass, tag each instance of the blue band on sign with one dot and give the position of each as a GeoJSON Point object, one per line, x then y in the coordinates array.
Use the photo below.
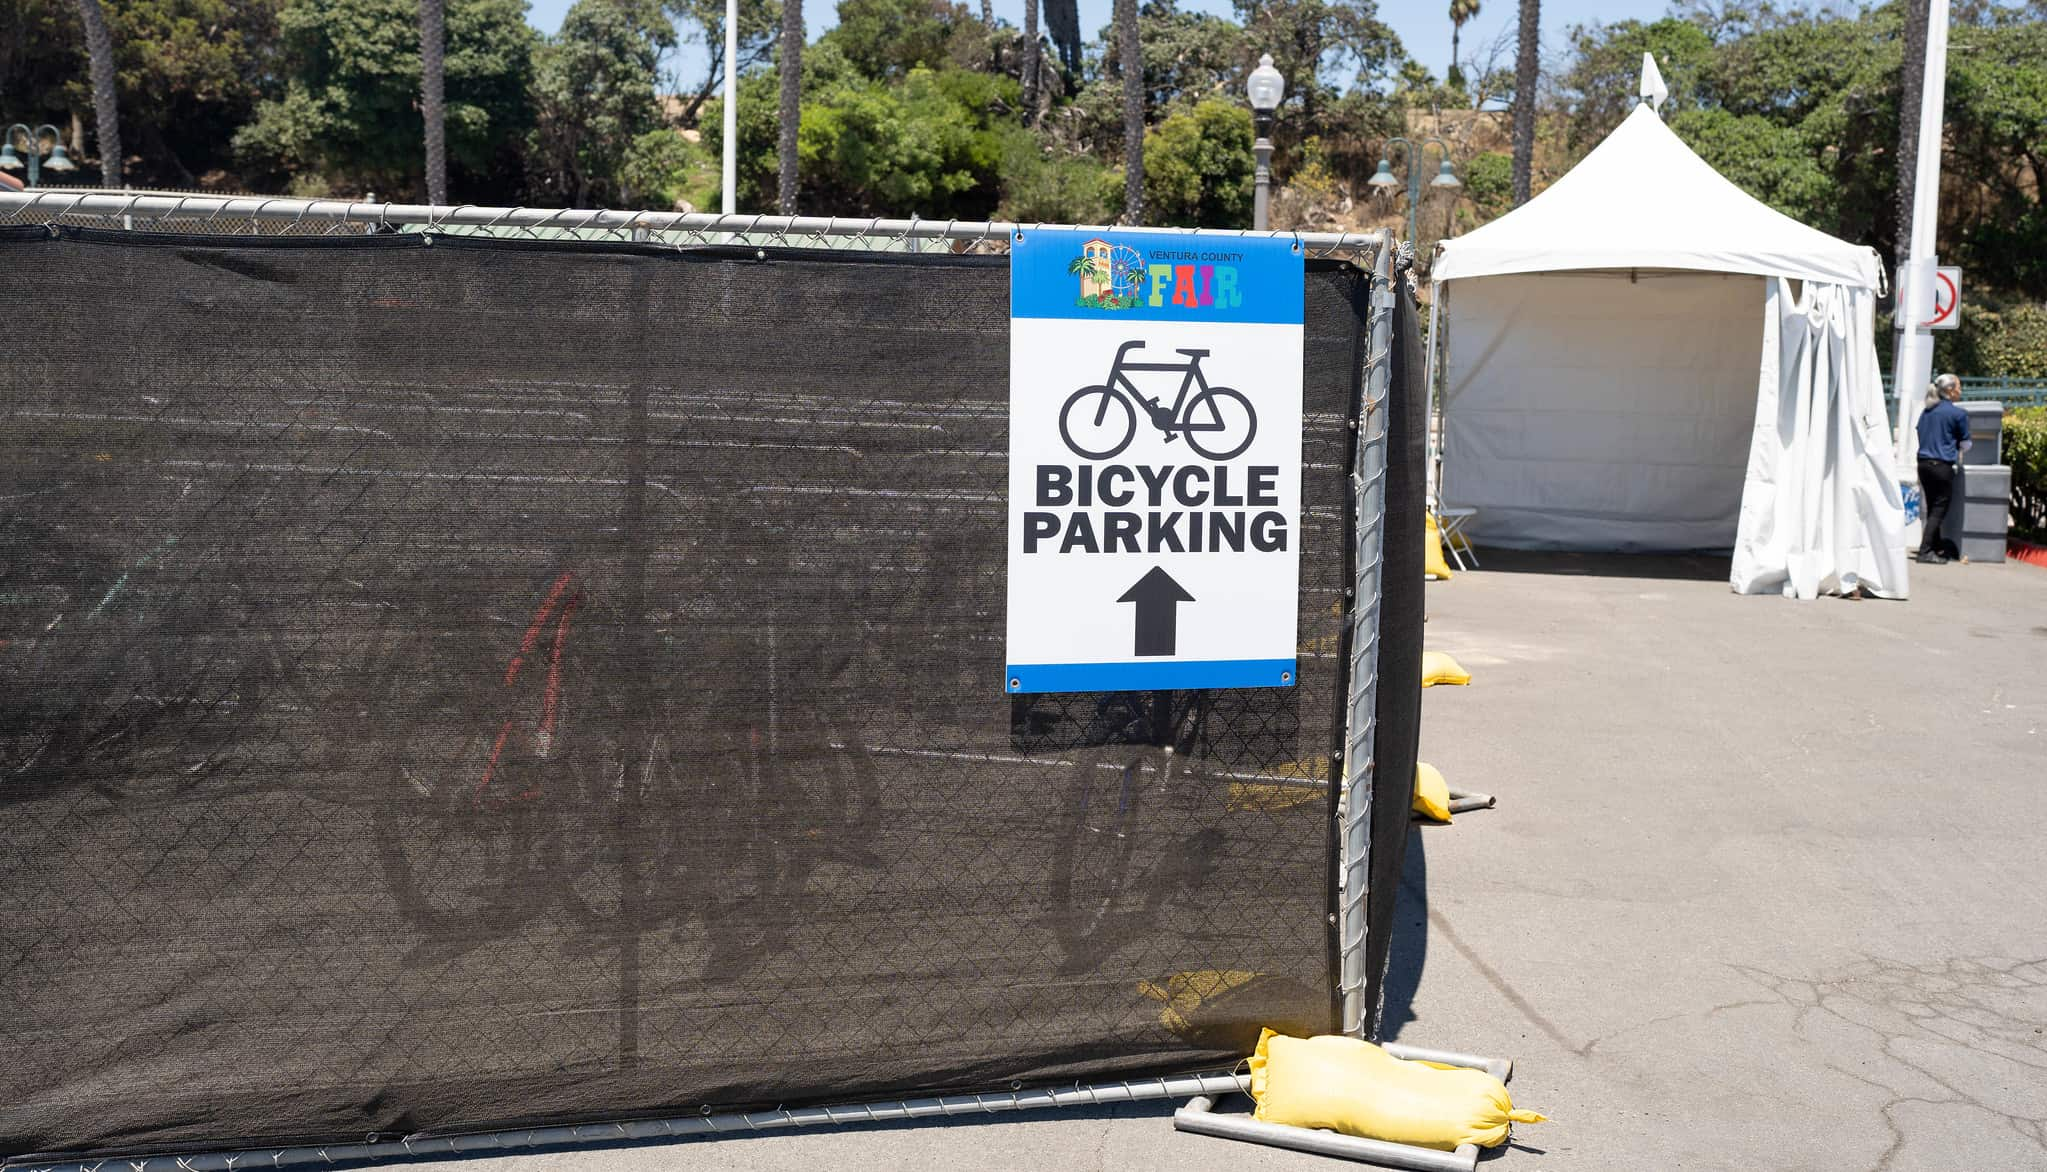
{"type": "Point", "coordinates": [1145, 677]}
{"type": "Point", "coordinates": [1155, 276]}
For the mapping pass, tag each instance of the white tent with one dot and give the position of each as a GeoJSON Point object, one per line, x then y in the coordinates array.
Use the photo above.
{"type": "Point", "coordinates": [1643, 357]}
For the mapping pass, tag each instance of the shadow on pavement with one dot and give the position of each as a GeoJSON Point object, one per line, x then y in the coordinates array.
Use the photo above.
{"type": "Point", "coordinates": [1410, 948]}
{"type": "Point", "coordinates": [1696, 567]}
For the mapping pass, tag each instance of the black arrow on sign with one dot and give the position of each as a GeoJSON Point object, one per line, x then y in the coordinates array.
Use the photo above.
{"type": "Point", "coordinates": [1158, 600]}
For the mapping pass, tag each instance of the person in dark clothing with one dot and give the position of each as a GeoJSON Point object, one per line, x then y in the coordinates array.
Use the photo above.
{"type": "Point", "coordinates": [1943, 437]}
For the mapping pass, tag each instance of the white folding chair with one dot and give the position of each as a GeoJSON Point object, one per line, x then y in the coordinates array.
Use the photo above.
{"type": "Point", "coordinates": [1456, 542]}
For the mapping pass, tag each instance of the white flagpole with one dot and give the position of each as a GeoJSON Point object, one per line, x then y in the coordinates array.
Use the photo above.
{"type": "Point", "coordinates": [1912, 360]}
{"type": "Point", "coordinates": [731, 184]}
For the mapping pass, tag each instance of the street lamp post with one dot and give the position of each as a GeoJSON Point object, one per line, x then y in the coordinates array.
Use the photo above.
{"type": "Point", "coordinates": [1266, 87]}
{"type": "Point", "coordinates": [1411, 153]}
{"type": "Point", "coordinates": [59, 161]}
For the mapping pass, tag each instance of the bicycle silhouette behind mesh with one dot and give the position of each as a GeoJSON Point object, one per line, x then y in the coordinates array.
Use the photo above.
{"type": "Point", "coordinates": [1098, 422]}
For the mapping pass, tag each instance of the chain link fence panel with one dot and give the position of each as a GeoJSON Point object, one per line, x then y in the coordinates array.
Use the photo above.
{"type": "Point", "coordinates": [454, 682]}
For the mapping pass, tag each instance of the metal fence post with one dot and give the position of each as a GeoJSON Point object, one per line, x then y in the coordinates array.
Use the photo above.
{"type": "Point", "coordinates": [1354, 808]}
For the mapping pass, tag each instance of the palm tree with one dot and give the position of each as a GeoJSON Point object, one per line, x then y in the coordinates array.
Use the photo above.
{"type": "Point", "coordinates": [1460, 11]}
{"type": "Point", "coordinates": [1030, 62]}
{"type": "Point", "coordinates": [1062, 19]}
{"type": "Point", "coordinates": [1132, 65]}
{"type": "Point", "coordinates": [1527, 70]}
{"type": "Point", "coordinates": [99, 48]}
{"type": "Point", "coordinates": [433, 105]}
{"type": "Point", "coordinates": [790, 67]}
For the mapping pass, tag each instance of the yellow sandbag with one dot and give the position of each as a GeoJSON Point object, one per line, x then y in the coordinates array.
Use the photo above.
{"type": "Point", "coordinates": [1431, 793]}
{"type": "Point", "coordinates": [1438, 668]}
{"type": "Point", "coordinates": [1348, 1085]}
{"type": "Point", "coordinates": [1433, 565]}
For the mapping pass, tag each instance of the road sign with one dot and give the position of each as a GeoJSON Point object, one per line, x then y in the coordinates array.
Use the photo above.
{"type": "Point", "coordinates": [1947, 299]}
{"type": "Point", "coordinates": [1154, 461]}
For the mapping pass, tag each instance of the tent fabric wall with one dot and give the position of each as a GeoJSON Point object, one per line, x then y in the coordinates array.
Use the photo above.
{"type": "Point", "coordinates": [1608, 410]}
{"type": "Point", "coordinates": [1822, 512]}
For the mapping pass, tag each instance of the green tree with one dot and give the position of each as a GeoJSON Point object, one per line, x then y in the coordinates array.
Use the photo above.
{"type": "Point", "coordinates": [1048, 184]}
{"type": "Point", "coordinates": [1600, 84]}
{"type": "Point", "coordinates": [929, 144]}
{"type": "Point", "coordinates": [186, 77]}
{"type": "Point", "coordinates": [1995, 162]}
{"type": "Point", "coordinates": [39, 57]}
{"type": "Point", "coordinates": [189, 74]}
{"type": "Point", "coordinates": [667, 172]}
{"type": "Point", "coordinates": [1198, 167]}
{"type": "Point", "coordinates": [1325, 48]}
{"type": "Point", "coordinates": [1488, 185]}
{"type": "Point", "coordinates": [344, 117]}
{"type": "Point", "coordinates": [1775, 163]}
{"type": "Point", "coordinates": [1189, 56]}
{"type": "Point", "coordinates": [889, 38]}
{"type": "Point", "coordinates": [593, 97]}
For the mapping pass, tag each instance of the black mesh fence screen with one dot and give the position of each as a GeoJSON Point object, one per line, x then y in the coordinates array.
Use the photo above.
{"type": "Point", "coordinates": [470, 684]}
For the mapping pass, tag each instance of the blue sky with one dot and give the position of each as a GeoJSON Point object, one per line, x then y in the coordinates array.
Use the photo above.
{"type": "Point", "coordinates": [1424, 28]}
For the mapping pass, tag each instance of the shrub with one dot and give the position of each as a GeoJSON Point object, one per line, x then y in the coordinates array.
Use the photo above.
{"type": "Point", "coordinates": [2025, 450]}
{"type": "Point", "coordinates": [1198, 166]}
{"type": "Point", "coordinates": [1997, 339]}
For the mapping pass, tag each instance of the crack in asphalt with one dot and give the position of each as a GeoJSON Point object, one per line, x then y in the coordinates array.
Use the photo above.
{"type": "Point", "coordinates": [1969, 1011]}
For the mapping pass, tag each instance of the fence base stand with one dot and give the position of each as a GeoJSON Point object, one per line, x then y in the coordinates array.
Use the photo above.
{"type": "Point", "coordinates": [1199, 1117]}
{"type": "Point", "coordinates": [1461, 801]}
{"type": "Point", "coordinates": [552, 1138]}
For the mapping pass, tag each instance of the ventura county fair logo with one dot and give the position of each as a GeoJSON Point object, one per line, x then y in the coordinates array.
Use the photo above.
{"type": "Point", "coordinates": [1114, 276]}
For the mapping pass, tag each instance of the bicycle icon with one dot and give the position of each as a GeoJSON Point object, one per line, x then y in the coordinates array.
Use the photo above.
{"type": "Point", "coordinates": [1207, 415]}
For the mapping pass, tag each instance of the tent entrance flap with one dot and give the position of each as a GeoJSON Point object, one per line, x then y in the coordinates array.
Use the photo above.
{"type": "Point", "coordinates": [1601, 410]}
{"type": "Point", "coordinates": [1822, 512]}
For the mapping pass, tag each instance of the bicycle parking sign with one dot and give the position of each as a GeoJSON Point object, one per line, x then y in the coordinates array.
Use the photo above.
{"type": "Point", "coordinates": [1154, 460]}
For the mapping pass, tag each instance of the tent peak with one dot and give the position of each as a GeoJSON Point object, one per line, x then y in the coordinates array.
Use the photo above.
{"type": "Point", "coordinates": [1653, 90]}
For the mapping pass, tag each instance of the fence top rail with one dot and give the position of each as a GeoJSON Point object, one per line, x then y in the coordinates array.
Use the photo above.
{"type": "Point", "coordinates": [275, 212]}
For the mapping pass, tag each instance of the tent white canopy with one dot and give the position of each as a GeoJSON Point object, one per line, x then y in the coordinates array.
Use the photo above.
{"type": "Point", "coordinates": [1643, 200]}
{"type": "Point", "coordinates": [1627, 365]}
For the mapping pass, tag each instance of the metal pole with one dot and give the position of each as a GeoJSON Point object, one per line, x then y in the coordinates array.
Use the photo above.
{"type": "Point", "coordinates": [1431, 475]}
{"type": "Point", "coordinates": [1261, 217]}
{"type": "Point", "coordinates": [542, 1138]}
{"type": "Point", "coordinates": [1354, 807]}
{"type": "Point", "coordinates": [730, 202]}
{"type": "Point", "coordinates": [1414, 188]}
{"type": "Point", "coordinates": [1199, 1117]}
{"type": "Point", "coordinates": [1261, 190]}
{"type": "Point", "coordinates": [1912, 359]}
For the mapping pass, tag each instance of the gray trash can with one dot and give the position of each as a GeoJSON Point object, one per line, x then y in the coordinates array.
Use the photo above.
{"type": "Point", "coordinates": [1986, 433]}
{"type": "Point", "coordinates": [1980, 512]}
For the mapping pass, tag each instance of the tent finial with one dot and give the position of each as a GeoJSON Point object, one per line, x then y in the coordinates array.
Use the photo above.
{"type": "Point", "coordinates": [1653, 90]}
